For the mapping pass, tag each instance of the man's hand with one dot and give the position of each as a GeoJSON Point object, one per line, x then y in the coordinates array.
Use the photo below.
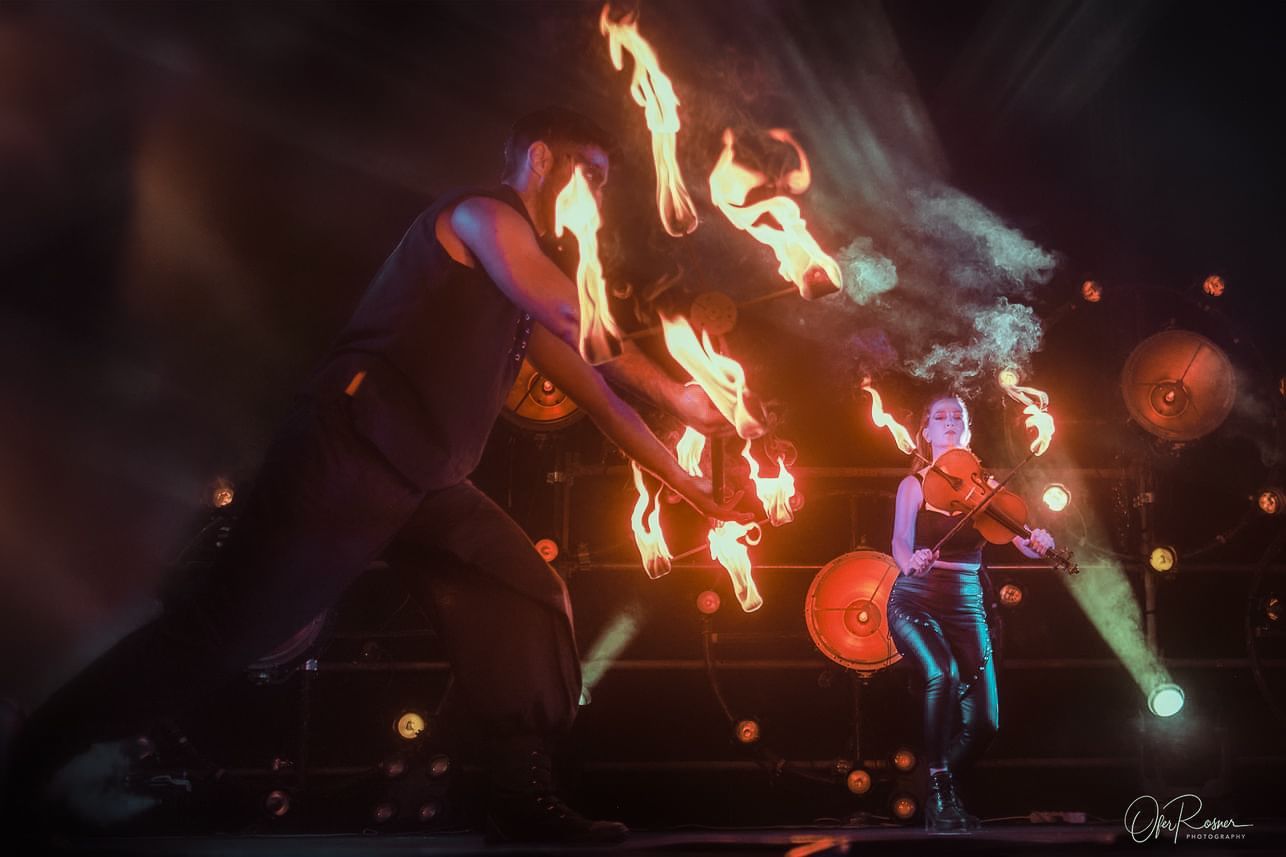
{"type": "Point", "coordinates": [695, 409]}
{"type": "Point", "coordinates": [699, 494]}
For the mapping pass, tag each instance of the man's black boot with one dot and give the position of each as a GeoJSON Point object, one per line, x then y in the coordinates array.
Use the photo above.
{"type": "Point", "coordinates": [524, 807]}
{"type": "Point", "coordinates": [970, 822]}
{"type": "Point", "coordinates": [940, 814]}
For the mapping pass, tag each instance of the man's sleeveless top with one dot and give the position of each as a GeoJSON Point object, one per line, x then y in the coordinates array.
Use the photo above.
{"type": "Point", "coordinates": [430, 354]}
{"type": "Point", "coordinates": [930, 525]}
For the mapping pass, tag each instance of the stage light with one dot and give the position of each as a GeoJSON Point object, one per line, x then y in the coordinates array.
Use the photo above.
{"type": "Point", "coordinates": [904, 759]}
{"type": "Point", "coordinates": [1091, 291]}
{"type": "Point", "coordinates": [410, 725]}
{"type": "Point", "coordinates": [1213, 286]}
{"type": "Point", "coordinates": [384, 811]}
{"type": "Point", "coordinates": [903, 806]}
{"type": "Point", "coordinates": [221, 493]}
{"type": "Point", "coordinates": [1271, 501]}
{"type": "Point", "coordinates": [1011, 595]}
{"type": "Point", "coordinates": [858, 782]}
{"type": "Point", "coordinates": [708, 602]}
{"type": "Point", "coordinates": [747, 731]}
{"type": "Point", "coordinates": [439, 765]}
{"type": "Point", "coordinates": [1166, 700]}
{"type": "Point", "coordinates": [1008, 377]}
{"type": "Point", "coordinates": [277, 803]}
{"type": "Point", "coordinates": [393, 766]}
{"type": "Point", "coordinates": [548, 549]}
{"type": "Point", "coordinates": [1056, 497]}
{"type": "Point", "coordinates": [1273, 608]}
{"type": "Point", "coordinates": [1163, 558]}
{"type": "Point", "coordinates": [428, 811]}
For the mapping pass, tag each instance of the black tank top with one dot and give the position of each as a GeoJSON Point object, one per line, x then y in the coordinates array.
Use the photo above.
{"type": "Point", "coordinates": [964, 546]}
{"type": "Point", "coordinates": [439, 345]}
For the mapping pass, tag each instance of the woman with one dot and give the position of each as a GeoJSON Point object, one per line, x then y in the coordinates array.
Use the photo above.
{"type": "Point", "coordinates": [937, 620]}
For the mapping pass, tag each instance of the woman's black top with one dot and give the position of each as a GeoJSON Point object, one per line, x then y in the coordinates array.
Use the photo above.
{"type": "Point", "coordinates": [964, 546]}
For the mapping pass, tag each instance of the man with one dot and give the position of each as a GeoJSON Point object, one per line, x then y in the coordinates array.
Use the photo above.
{"type": "Point", "coordinates": [374, 462]}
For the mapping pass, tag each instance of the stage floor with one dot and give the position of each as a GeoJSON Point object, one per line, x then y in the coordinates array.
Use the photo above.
{"type": "Point", "coordinates": [1000, 838]}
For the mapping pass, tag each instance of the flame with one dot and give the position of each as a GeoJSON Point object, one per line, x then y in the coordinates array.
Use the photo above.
{"type": "Point", "coordinates": [1035, 405]}
{"type": "Point", "coordinates": [651, 541]}
{"type": "Point", "coordinates": [651, 89]}
{"type": "Point", "coordinates": [689, 450]}
{"type": "Point", "coordinates": [799, 258]}
{"type": "Point", "coordinates": [775, 492]}
{"type": "Point", "coordinates": [575, 209]}
{"type": "Point", "coordinates": [729, 551]}
{"type": "Point", "coordinates": [721, 377]}
{"type": "Point", "coordinates": [900, 435]}
{"type": "Point", "coordinates": [797, 181]}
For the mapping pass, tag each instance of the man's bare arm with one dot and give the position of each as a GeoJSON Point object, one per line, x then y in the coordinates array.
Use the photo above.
{"type": "Point", "coordinates": [637, 372]}
{"type": "Point", "coordinates": [506, 247]}
{"type": "Point", "coordinates": [563, 365]}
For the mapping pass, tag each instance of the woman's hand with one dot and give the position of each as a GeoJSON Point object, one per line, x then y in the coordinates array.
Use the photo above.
{"type": "Point", "coordinates": [1040, 542]}
{"type": "Point", "coordinates": [922, 562]}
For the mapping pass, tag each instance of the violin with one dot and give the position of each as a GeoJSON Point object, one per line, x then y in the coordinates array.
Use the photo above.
{"type": "Point", "coordinates": [955, 483]}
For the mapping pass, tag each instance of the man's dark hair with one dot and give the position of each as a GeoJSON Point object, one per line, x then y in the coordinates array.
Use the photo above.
{"type": "Point", "coordinates": [553, 125]}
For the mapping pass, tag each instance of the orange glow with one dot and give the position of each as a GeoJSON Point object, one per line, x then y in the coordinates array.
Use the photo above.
{"type": "Point", "coordinates": [859, 782]}
{"type": "Point", "coordinates": [1035, 405]}
{"type": "Point", "coordinates": [651, 541]}
{"type": "Point", "coordinates": [1011, 595]}
{"type": "Point", "coordinates": [1091, 291]}
{"type": "Point", "coordinates": [799, 258]}
{"type": "Point", "coordinates": [548, 549]}
{"type": "Point", "coordinates": [747, 731]}
{"type": "Point", "coordinates": [576, 210]}
{"type": "Point", "coordinates": [689, 449]}
{"type": "Point", "coordinates": [721, 377]}
{"type": "Point", "coordinates": [1213, 286]}
{"type": "Point", "coordinates": [774, 492]}
{"type": "Point", "coordinates": [222, 493]}
{"type": "Point", "coordinates": [901, 436]}
{"type": "Point", "coordinates": [903, 806]}
{"type": "Point", "coordinates": [708, 602]}
{"type": "Point", "coordinates": [651, 89]}
{"type": "Point", "coordinates": [729, 551]}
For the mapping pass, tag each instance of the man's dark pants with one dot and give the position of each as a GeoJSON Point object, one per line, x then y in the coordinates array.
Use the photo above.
{"type": "Point", "coordinates": [325, 505]}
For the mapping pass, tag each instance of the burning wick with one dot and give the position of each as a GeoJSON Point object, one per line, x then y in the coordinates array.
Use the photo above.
{"type": "Point", "coordinates": [775, 221]}
{"type": "Point", "coordinates": [721, 377]}
{"type": "Point", "coordinates": [688, 451]}
{"type": "Point", "coordinates": [648, 536]}
{"type": "Point", "coordinates": [576, 210]}
{"type": "Point", "coordinates": [1035, 405]}
{"type": "Point", "coordinates": [901, 436]}
{"type": "Point", "coordinates": [734, 555]}
{"type": "Point", "coordinates": [774, 492]}
{"type": "Point", "coordinates": [651, 89]}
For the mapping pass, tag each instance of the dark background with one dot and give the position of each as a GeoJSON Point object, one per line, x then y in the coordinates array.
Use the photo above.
{"type": "Point", "coordinates": [193, 196]}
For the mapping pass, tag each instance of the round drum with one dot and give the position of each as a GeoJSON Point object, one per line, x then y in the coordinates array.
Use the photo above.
{"type": "Point", "coordinates": [845, 610]}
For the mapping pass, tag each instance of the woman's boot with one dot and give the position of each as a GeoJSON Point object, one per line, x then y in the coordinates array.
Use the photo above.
{"type": "Point", "coordinates": [970, 822]}
{"type": "Point", "coordinates": [940, 814]}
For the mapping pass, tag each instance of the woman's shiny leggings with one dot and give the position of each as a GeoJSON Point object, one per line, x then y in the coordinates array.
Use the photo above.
{"type": "Point", "coordinates": [938, 622]}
